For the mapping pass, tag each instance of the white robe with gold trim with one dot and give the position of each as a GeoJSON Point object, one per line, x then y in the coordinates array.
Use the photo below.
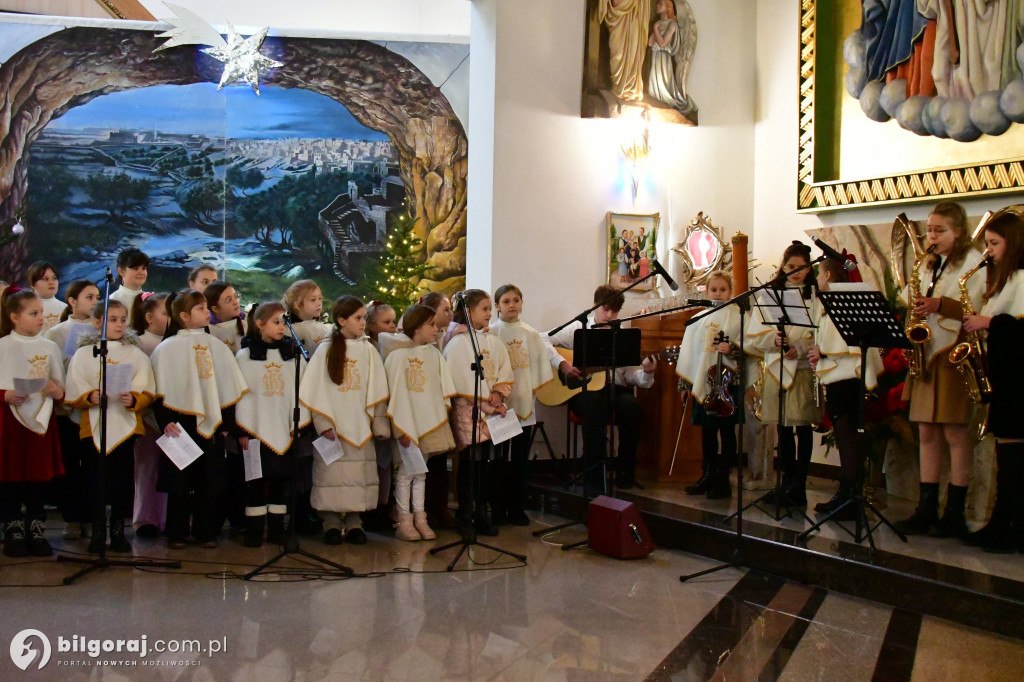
{"type": "Point", "coordinates": [228, 333]}
{"type": "Point", "coordinates": [30, 357]}
{"type": "Point", "coordinates": [697, 352]}
{"type": "Point", "coordinates": [265, 412]}
{"type": "Point", "coordinates": [530, 366]}
{"type": "Point", "coordinates": [311, 333]}
{"type": "Point", "coordinates": [421, 390]}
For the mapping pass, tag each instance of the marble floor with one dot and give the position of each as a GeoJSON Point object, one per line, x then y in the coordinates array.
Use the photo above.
{"type": "Point", "coordinates": [573, 615]}
{"type": "Point", "coordinates": [940, 550]}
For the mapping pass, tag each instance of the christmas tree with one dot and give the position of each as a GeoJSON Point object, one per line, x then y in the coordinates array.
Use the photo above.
{"type": "Point", "coordinates": [394, 278]}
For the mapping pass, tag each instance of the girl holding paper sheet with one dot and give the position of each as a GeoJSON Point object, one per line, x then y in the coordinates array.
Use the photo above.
{"type": "Point", "coordinates": [124, 421]}
{"type": "Point", "coordinates": [493, 389]}
{"type": "Point", "coordinates": [531, 369]}
{"type": "Point", "coordinates": [264, 415]}
{"type": "Point", "coordinates": [421, 390]}
{"type": "Point", "coordinates": [799, 410]}
{"type": "Point", "coordinates": [29, 446]}
{"type": "Point", "coordinates": [198, 384]}
{"type": "Point", "coordinates": [346, 390]}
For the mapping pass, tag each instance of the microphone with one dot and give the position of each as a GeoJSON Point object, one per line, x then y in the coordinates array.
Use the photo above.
{"type": "Point", "coordinates": [707, 303]}
{"type": "Point", "coordinates": [835, 255]}
{"type": "Point", "coordinates": [661, 271]}
{"type": "Point", "coordinates": [109, 276]}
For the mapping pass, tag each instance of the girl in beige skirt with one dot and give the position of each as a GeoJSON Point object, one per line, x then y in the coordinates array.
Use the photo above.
{"type": "Point", "coordinates": [938, 400]}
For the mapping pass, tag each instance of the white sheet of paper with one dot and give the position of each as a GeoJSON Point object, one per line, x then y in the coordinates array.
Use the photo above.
{"type": "Point", "coordinates": [329, 450]}
{"type": "Point", "coordinates": [28, 386]}
{"type": "Point", "coordinates": [181, 449]}
{"type": "Point", "coordinates": [251, 458]}
{"type": "Point", "coordinates": [503, 428]}
{"type": "Point", "coordinates": [412, 458]}
{"type": "Point", "coordinates": [796, 308]}
{"type": "Point", "coordinates": [119, 379]}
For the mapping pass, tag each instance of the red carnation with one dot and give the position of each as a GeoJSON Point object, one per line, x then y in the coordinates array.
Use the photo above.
{"type": "Point", "coordinates": [894, 399]}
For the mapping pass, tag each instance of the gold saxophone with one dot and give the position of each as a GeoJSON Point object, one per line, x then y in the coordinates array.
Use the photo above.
{"type": "Point", "coordinates": [970, 359]}
{"type": "Point", "coordinates": [916, 329]}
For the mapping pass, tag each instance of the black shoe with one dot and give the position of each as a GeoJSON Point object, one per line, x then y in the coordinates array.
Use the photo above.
{"type": "Point", "coordinates": [926, 515]}
{"type": "Point", "coordinates": [355, 536]}
{"type": "Point", "coordinates": [847, 513]}
{"type": "Point", "coordinates": [147, 530]}
{"type": "Point", "coordinates": [254, 531]}
{"type": "Point", "coordinates": [37, 544]}
{"type": "Point", "coordinates": [98, 539]}
{"type": "Point", "coordinates": [518, 518]}
{"type": "Point", "coordinates": [719, 489]}
{"type": "Point", "coordinates": [953, 524]}
{"type": "Point", "coordinates": [702, 484]}
{"type": "Point", "coordinates": [1000, 544]}
{"type": "Point", "coordinates": [118, 542]}
{"type": "Point", "coordinates": [333, 536]}
{"type": "Point", "coordinates": [275, 529]}
{"type": "Point", "coordinates": [15, 544]}
{"type": "Point", "coordinates": [484, 526]}
{"type": "Point", "coordinates": [499, 518]}
{"type": "Point", "coordinates": [843, 493]}
{"type": "Point", "coordinates": [986, 535]}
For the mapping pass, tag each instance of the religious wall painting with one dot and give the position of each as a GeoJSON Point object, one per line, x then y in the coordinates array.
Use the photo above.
{"type": "Point", "coordinates": [897, 107]}
{"type": "Point", "coordinates": [305, 181]}
{"type": "Point", "coordinates": [638, 55]}
{"type": "Point", "coordinates": [632, 249]}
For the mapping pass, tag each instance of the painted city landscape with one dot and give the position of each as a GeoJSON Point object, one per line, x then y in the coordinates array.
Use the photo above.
{"type": "Point", "coordinates": [266, 190]}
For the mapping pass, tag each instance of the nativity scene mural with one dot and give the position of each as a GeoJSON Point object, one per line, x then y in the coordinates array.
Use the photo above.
{"type": "Point", "coordinates": [638, 53]}
{"type": "Point", "coordinates": [348, 150]}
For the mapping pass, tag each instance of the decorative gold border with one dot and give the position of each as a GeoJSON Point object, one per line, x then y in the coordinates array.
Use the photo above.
{"type": "Point", "coordinates": [831, 195]}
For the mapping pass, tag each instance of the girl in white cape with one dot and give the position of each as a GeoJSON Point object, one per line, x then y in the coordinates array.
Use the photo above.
{"type": "Point", "coordinates": [29, 446]}
{"type": "Point", "coordinates": [493, 389]}
{"type": "Point", "coordinates": [421, 390]}
{"type": "Point", "coordinates": [531, 368]}
{"type": "Point", "coordinates": [345, 389]}
{"type": "Point", "coordinates": [123, 425]}
{"type": "Point", "coordinates": [198, 384]}
{"type": "Point", "coordinates": [265, 413]}
{"type": "Point", "coordinates": [305, 304]}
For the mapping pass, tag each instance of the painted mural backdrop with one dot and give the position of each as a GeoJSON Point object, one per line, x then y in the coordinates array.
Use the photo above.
{"type": "Point", "coordinates": [347, 141]}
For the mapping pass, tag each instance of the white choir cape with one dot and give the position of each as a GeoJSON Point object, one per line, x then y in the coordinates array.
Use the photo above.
{"type": "Point", "coordinates": [840, 361]}
{"type": "Point", "coordinates": [762, 337]}
{"type": "Point", "coordinates": [1009, 300]}
{"type": "Point", "coordinates": [945, 330]}
{"type": "Point", "coordinates": [148, 341]}
{"type": "Point", "coordinates": [311, 333]}
{"type": "Point", "coordinates": [228, 333]}
{"type": "Point", "coordinates": [84, 378]}
{"type": "Point", "coordinates": [266, 410]}
{"type": "Point", "coordinates": [530, 366]}
{"type": "Point", "coordinates": [53, 308]}
{"type": "Point", "coordinates": [30, 357]}
{"type": "Point", "coordinates": [349, 406]}
{"type": "Point", "coordinates": [496, 365]}
{"type": "Point", "coordinates": [197, 375]}
{"type": "Point", "coordinates": [697, 351]}
{"type": "Point", "coordinates": [421, 390]}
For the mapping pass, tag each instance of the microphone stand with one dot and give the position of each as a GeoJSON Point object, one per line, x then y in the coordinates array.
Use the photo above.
{"type": "Point", "coordinates": [469, 536]}
{"type": "Point", "coordinates": [738, 557]}
{"type": "Point", "coordinates": [100, 507]}
{"type": "Point", "coordinates": [583, 318]}
{"type": "Point", "coordinates": [291, 541]}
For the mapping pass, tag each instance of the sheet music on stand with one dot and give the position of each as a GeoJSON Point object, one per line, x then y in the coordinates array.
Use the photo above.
{"type": "Point", "coordinates": [783, 306]}
{"type": "Point", "coordinates": [863, 317]}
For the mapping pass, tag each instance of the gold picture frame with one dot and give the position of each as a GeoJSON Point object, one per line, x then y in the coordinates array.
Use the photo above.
{"type": "Point", "coordinates": [820, 53]}
{"type": "Point", "coordinates": [632, 246]}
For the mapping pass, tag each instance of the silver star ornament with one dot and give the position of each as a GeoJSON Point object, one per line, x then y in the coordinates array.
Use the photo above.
{"type": "Point", "coordinates": [242, 58]}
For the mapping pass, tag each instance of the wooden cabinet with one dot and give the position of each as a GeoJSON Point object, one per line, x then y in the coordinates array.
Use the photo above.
{"type": "Point", "coordinates": [663, 411]}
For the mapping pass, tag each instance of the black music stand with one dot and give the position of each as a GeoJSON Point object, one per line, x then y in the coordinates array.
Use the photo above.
{"type": "Point", "coordinates": [606, 350]}
{"type": "Point", "coordinates": [780, 309]}
{"type": "Point", "coordinates": [864, 320]}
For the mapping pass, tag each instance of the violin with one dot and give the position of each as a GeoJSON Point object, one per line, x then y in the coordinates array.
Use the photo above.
{"type": "Point", "coordinates": [719, 402]}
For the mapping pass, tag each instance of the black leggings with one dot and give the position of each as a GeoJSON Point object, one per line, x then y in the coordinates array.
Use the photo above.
{"type": "Point", "coordinates": [795, 458]}
{"type": "Point", "coordinates": [119, 480]}
{"type": "Point", "coordinates": [14, 494]}
{"type": "Point", "coordinates": [710, 434]}
{"type": "Point", "coordinates": [841, 400]}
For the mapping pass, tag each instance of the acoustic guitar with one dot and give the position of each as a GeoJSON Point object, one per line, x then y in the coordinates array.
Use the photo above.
{"type": "Point", "coordinates": [563, 387]}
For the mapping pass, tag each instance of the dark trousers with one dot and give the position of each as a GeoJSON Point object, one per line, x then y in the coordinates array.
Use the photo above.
{"type": "Point", "coordinates": [507, 480]}
{"type": "Point", "coordinates": [841, 401]}
{"type": "Point", "coordinates": [710, 434]}
{"type": "Point", "coordinates": [469, 483]}
{"type": "Point", "coordinates": [119, 481]}
{"type": "Point", "coordinates": [72, 488]}
{"type": "Point", "coordinates": [592, 407]}
{"type": "Point", "coordinates": [14, 494]}
{"type": "Point", "coordinates": [795, 451]}
{"type": "Point", "coordinates": [266, 490]}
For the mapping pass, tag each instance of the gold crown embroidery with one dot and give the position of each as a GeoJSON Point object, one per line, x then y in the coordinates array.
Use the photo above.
{"type": "Point", "coordinates": [517, 355]}
{"type": "Point", "coordinates": [273, 382]}
{"type": "Point", "coordinates": [415, 377]}
{"type": "Point", "coordinates": [39, 369]}
{"type": "Point", "coordinates": [490, 372]}
{"type": "Point", "coordinates": [204, 363]}
{"type": "Point", "coordinates": [352, 380]}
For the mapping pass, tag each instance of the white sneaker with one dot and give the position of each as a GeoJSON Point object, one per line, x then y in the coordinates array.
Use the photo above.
{"type": "Point", "coordinates": [72, 531]}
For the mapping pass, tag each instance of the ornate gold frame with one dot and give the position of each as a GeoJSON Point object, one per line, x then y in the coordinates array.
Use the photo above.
{"type": "Point", "coordinates": [830, 195]}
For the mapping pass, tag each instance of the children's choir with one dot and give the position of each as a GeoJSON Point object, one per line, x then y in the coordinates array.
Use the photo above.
{"type": "Point", "coordinates": [388, 401]}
